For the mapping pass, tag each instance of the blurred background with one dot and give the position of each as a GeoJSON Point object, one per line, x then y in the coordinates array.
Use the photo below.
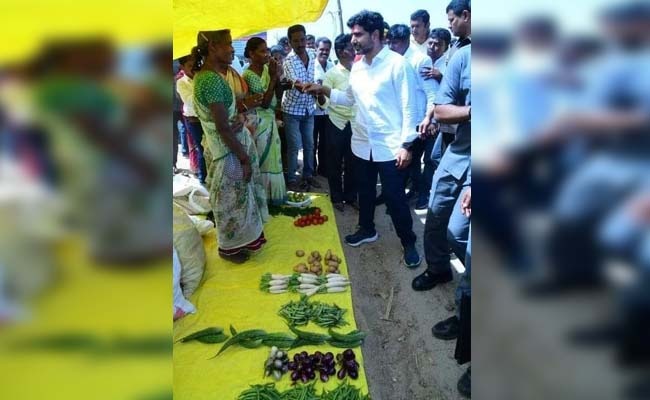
{"type": "Point", "coordinates": [85, 180]}
{"type": "Point", "coordinates": [561, 146]}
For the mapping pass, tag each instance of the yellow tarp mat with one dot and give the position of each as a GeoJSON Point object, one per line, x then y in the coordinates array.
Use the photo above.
{"type": "Point", "coordinates": [242, 17]}
{"type": "Point", "coordinates": [26, 24]}
{"type": "Point", "coordinates": [230, 294]}
{"type": "Point", "coordinates": [101, 304]}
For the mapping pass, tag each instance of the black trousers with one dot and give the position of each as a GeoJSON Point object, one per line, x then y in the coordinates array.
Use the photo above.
{"type": "Point", "coordinates": [340, 162]}
{"type": "Point", "coordinates": [320, 144]}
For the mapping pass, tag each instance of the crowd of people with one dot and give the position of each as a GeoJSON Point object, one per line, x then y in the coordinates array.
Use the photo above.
{"type": "Point", "coordinates": [397, 98]}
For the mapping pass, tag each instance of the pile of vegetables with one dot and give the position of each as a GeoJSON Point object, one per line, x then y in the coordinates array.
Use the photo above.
{"type": "Point", "coordinates": [299, 313]}
{"type": "Point", "coordinates": [254, 338]}
{"type": "Point", "coordinates": [308, 284]}
{"type": "Point", "coordinates": [311, 219]}
{"type": "Point", "coordinates": [277, 364]}
{"type": "Point", "coordinates": [304, 366]}
{"type": "Point", "coordinates": [345, 391]}
{"type": "Point", "coordinates": [296, 197]}
{"type": "Point", "coordinates": [258, 392]}
{"type": "Point", "coordinates": [330, 263]}
{"type": "Point", "coordinates": [290, 211]}
{"type": "Point", "coordinates": [347, 364]}
{"type": "Point", "coordinates": [301, 392]}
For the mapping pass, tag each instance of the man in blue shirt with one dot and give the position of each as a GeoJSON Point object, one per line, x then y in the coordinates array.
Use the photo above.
{"type": "Point", "coordinates": [453, 106]}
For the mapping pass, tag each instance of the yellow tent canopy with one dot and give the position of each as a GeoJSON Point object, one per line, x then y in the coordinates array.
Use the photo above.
{"type": "Point", "coordinates": [242, 17]}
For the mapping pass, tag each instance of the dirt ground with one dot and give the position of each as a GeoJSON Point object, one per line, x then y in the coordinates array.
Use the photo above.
{"type": "Point", "coordinates": [403, 360]}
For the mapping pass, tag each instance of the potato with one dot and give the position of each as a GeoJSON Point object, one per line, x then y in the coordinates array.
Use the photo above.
{"type": "Point", "coordinates": [302, 268]}
{"type": "Point", "coordinates": [300, 253]}
{"type": "Point", "coordinates": [338, 259]}
{"type": "Point", "coordinates": [331, 269]}
{"type": "Point", "coordinates": [314, 269]}
{"type": "Point", "coordinates": [328, 255]}
{"type": "Point", "coordinates": [310, 259]}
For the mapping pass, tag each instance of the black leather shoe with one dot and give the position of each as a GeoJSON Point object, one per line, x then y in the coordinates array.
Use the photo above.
{"type": "Point", "coordinates": [447, 329]}
{"type": "Point", "coordinates": [465, 384]}
{"type": "Point", "coordinates": [427, 280]}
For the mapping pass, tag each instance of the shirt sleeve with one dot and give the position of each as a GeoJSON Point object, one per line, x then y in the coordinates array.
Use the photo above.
{"type": "Point", "coordinates": [450, 85]}
{"type": "Point", "coordinates": [289, 71]}
{"type": "Point", "coordinates": [430, 86]}
{"type": "Point", "coordinates": [342, 97]}
{"type": "Point", "coordinates": [404, 74]}
{"type": "Point", "coordinates": [213, 89]}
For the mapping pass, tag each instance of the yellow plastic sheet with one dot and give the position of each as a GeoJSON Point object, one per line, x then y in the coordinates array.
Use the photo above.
{"type": "Point", "coordinates": [103, 304]}
{"type": "Point", "coordinates": [242, 17]}
{"type": "Point", "coordinates": [230, 294]}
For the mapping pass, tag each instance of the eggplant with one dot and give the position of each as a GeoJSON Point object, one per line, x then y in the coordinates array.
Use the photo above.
{"type": "Point", "coordinates": [341, 373]}
{"type": "Point", "coordinates": [304, 378]}
{"type": "Point", "coordinates": [311, 375]}
{"type": "Point", "coordinates": [348, 354]}
{"type": "Point", "coordinates": [324, 377]}
{"type": "Point", "coordinates": [292, 365]}
{"type": "Point", "coordinates": [354, 374]}
{"type": "Point", "coordinates": [294, 376]}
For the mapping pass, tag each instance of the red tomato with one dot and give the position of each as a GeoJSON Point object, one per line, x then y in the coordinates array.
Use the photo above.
{"type": "Point", "coordinates": [307, 222]}
{"type": "Point", "coordinates": [318, 210]}
{"type": "Point", "coordinates": [296, 222]}
{"type": "Point", "coordinates": [324, 217]}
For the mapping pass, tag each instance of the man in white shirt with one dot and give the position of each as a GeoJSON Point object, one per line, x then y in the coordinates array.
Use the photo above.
{"type": "Point", "coordinates": [398, 39]}
{"type": "Point", "coordinates": [420, 30]}
{"type": "Point", "coordinates": [322, 65]}
{"type": "Point", "coordinates": [382, 86]}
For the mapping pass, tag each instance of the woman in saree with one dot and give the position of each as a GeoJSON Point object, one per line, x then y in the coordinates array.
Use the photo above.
{"type": "Point", "coordinates": [237, 194]}
{"type": "Point", "coordinates": [262, 77]}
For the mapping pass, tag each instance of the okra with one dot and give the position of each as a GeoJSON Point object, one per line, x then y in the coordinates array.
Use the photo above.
{"type": "Point", "coordinates": [204, 332]}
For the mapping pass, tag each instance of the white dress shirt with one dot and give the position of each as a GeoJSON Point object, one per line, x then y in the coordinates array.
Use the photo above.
{"type": "Point", "coordinates": [422, 48]}
{"type": "Point", "coordinates": [384, 93]}
{"type": "Point", "coordinates": [319, 75]}
{"type": "Point", "coordinates": [426, 88]}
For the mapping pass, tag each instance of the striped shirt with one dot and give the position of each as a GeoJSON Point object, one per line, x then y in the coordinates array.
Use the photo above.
{"type": "Point", "coordinates": [294, 102]}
